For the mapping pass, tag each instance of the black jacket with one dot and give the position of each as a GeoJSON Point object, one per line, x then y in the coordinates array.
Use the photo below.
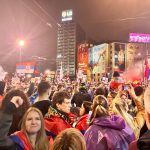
{"type": "Point", "coordinates": [6, 116]}
{"type": "Point", "coordinates": [144, 141]}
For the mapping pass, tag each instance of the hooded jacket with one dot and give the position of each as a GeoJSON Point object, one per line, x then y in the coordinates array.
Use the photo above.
{"type": "Point", "coordinates": [108, 133]}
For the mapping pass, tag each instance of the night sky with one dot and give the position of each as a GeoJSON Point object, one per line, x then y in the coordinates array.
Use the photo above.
{"type": "Point", "coordinates": [36, 22]}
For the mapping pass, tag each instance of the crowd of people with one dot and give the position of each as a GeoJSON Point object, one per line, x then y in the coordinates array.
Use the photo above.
{"type": "Point", "coordinates": [71, 115]}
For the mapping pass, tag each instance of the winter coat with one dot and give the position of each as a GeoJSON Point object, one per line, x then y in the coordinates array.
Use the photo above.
{"type": "Point", "coordinates": [82, 124]}
{"type": "Point", "coordinates": [108, 133]}
{"type": "Point", "coordinates": [55, 122]}
{"type": "Point", "coordinates": [16, 141]}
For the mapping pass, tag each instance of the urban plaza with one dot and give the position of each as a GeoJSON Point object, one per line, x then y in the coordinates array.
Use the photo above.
{"type": "Point", "coordinates": [74, 75]}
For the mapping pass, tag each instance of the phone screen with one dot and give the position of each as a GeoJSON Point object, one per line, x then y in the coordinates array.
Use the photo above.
{"type": "Point", "coordinates": [126, 87]}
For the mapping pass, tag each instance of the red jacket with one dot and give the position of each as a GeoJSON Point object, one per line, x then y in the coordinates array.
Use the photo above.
{"type": "Point", "coordinates": [82, 123]}
{"type": "Point", "coordinates": [55, 123]}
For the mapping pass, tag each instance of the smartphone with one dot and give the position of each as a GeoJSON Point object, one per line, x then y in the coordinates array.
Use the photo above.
{"type": "Point", "coordinates": [125, 87]}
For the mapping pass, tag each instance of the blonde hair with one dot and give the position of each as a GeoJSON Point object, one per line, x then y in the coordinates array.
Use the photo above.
{"type": "Point", "coordinates": [42, 142]}
{"type": "Point", "coordinates": [120, 108]}
{"type": "Point", "coordinates": [99, 107]}
{"type": "Point", "coordinates": [69, 139]}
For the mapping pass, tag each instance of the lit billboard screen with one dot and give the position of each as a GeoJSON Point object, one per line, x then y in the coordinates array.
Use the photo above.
{"type": "Point", "coordinates": [67, 15]}
{"type": "Point", "coordinates": [97, 58]}
{"type": "Point", "coordinates": [139, 38]}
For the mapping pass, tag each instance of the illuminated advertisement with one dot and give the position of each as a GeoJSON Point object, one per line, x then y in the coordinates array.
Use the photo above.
{"type": "Point", "coordinates": [119, 56]}
{"type": "Point", "coordinates": [139, 38]}
{"type": "Point", "coordinates": [98, 58]}
{"type": "Point", "coordinates": [135, 52]}
{"type": "Point", "coordinates": [135, 61]}
{"type": "Point", "coordinates": [67, 15]}
{"type": "Point", "coordinates": [82, 57]}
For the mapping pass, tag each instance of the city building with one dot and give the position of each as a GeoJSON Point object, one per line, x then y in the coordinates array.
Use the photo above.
{"type": "Point", "coordinates": [70, 34]}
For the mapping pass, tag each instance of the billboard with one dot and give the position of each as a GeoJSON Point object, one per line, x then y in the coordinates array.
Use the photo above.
{"type": "Point", "coordinates": [139, 38]}
{"type": "Point", "coordinates": [67, 15]}
{"type": "Point", "coordinates": [98, 58]}
{"type": "Point", "coordinates": [82, 58]}
{"type": "Point", "coordinates": [119, 56]}
{"type": "Point", "coordinates": [25, 67]}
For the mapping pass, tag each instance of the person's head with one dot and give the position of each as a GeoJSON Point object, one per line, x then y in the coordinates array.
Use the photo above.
{"type": "Point", "coordinates": [124, 96]}
{"type": "Point", "coordinates": [33, 124]}
{"type": "Point", "coordinates": [111, 95]}
{"type": "Point", "coordinates": [17, 115]}
{"type": "Point", "coordinates": [99, 107]}
{"type": "Point", "coordinates": [138, 90]}
{"type": "Point", "coordinates": [44, 88]}
{"type": "Point", "coordinates": [120, 106]}
{"type": "Point", "coordinates": [116, 74]}
{"type": "Point", "coordinates": [69, 139]}
{"type": "Point", "coordinates": [85, 108]}
{"type": "Point", "coordinates": [99, 91]}
{"type": "Point", "coordinates": [2, 87]}
{"type": "Point", "coordinates": [61, 100]}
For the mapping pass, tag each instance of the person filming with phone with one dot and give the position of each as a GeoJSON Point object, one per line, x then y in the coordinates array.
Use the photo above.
{"type": "Point", "coordinates": [120, 107]}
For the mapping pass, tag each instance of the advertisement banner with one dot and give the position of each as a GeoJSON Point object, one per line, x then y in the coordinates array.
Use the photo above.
{"type": "Point", "coordinates": [119, 56]}
{"type": "Point", "coordinates": [139, 38]}
{"type": "Point", "coordinates": [98, 58]}
{"type": "Point", "coordinates": [25, 67]}
{"type": "Point", "coordinates": [82, 58]}
{"type": "Point", "coordinates": [135, 60]}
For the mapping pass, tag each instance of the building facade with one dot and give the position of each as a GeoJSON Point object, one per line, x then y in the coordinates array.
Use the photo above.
{"type": "Point", "coordinates": [70, 34]}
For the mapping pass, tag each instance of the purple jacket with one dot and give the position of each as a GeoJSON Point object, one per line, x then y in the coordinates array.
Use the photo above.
{"type": "Point", "coordinates": [108, 133]}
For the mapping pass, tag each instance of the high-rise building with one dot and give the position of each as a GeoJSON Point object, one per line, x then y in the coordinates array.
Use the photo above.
{"type": "Point", "coordinates": [70, 34]}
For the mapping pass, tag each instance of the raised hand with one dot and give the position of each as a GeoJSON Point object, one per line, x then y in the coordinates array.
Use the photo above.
{"type": "Point", "coordinates": [17, 100]}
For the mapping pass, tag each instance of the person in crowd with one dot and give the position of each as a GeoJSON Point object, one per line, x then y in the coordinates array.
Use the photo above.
{"type": "Point", "coordinates": [81, 96]}
{"type": "Point", "coordinates": [43, 102]}
{"type": "Point", "coordinates": [32, 134]}
{"type": "Point", "coordinates": [69, 139]}
{"type": "Point", "coordinates": [2, 90]}
{"type": "Point", "coordinates": [111, 95]}
{"type": "Point", "coordinates": [116, 81]}
{"type": "Point", "coordinates": [57, 118]}
{"type": "Point", "coordinates": [82, 123]}
{"type": "Point", "coordinates": [143, 143]}
{"type": "Point", "coordinates": [120, 107]}
{"type": "Point", "coordinates": [99, 91]}
{"type": "Point", "coordinates": [31, 89]}
{"type": "Point", "coordinates": [19, 112]}
{"type": "Point", "coordinates": [106, 131]}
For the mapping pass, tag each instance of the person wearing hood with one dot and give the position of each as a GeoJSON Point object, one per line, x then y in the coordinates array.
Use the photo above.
{"type": "Point", "coordinates": [105, 131]}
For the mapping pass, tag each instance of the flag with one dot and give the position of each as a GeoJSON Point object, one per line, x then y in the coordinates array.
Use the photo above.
{"type": "Point", "coordinates": [25, 67]}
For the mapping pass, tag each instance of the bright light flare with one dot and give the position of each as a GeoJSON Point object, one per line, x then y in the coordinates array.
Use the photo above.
{"type": "Point", "coordinates": [21, 43]}
{"type": "Point", "coordinates": [47, 71]}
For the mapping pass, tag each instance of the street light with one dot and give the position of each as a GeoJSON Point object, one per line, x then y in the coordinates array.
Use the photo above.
{"type": "Point", "coordinates": [21, 43]}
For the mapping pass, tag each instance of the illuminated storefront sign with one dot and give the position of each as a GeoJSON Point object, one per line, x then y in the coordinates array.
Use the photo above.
{"type": "Point", "coordinates": [67, 15]}
{"type": "Point", "coordinates": [141, 38]}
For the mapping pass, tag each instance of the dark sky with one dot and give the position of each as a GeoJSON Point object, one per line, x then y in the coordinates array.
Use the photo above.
{"type": "Point", "coordinates": [36, 22]}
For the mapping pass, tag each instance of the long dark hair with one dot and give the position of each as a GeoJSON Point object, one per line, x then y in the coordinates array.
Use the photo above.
{"type": "Point", "coordinates": [17, 115]}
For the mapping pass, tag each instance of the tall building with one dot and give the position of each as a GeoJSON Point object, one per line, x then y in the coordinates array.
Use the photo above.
{"type": "Point", "coordinates": [70, 34]}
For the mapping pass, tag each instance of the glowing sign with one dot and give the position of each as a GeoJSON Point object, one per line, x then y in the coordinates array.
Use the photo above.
{"type": "Point", "coordinates": [67, 15]}
{"type": "Point", "coordinates": [140, 38]}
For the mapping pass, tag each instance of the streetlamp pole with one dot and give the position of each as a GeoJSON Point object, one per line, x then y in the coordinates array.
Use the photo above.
{"type": "Point", "coordinates": [21, 44]}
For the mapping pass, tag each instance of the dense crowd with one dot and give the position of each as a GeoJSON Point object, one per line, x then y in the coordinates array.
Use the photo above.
{"type": "Point", "coordinates": [71, 115]}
